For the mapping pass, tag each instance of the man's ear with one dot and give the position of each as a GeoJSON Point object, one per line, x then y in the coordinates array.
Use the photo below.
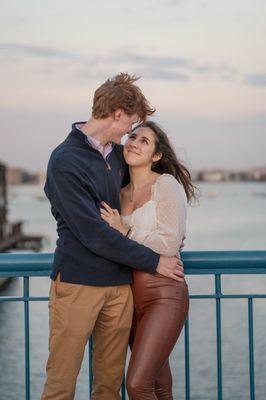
{"type": "Point", "coordinates": [118, 114]}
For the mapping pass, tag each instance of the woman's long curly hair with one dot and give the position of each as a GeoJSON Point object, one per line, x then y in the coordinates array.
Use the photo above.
{"type": "Point", "coordinates": [169, 163]}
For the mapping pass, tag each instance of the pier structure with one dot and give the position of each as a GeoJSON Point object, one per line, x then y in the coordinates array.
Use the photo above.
{"type": "Point", "coordinates": [11, 234]}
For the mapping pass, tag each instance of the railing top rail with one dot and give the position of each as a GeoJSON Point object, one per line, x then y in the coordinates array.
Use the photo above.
{"type": "Point", "coordinates": [196, 263]}
{"type": "Point", "coordinates": [26, 264]}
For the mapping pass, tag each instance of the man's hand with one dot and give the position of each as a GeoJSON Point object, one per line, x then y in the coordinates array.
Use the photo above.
{"type": "Point", "coordinates": [171, 267]}
{"type": "Point", "coordinates": [182, 244]}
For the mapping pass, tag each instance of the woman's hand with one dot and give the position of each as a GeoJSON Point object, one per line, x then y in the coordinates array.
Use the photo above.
{"type": "Point", "coordinates": [112, 217]}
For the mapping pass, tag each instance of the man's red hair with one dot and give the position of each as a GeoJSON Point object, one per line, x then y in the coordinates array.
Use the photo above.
{"type": "Point", "coordinates": [121, 92]}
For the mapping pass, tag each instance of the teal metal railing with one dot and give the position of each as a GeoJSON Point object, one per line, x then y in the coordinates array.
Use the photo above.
{"type": "Point", "coordinates": [196, 263]}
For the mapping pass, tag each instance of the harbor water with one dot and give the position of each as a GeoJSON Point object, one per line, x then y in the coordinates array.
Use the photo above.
{"type": "Point", "coordinates": [229, 216]}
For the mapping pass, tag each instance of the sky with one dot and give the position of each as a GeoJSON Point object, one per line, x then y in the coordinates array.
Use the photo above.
{"type": "Point", "coordinates": [202, 65]}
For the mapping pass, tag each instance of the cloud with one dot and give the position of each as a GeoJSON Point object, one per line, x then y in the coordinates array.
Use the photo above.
{"type": "Point", "coordinates": [218, 69]}
{"type": "Point", "coordinates": [256, 79]}
{"type": "Point", "coordinates": [175, 67]}
{"type": "Point", "coordinates": [171, 3]}
{"type": "Point", "coordinates": [180, 68]}
{"type": "Point", "coordinates": [165, 75]}
{"type": "Point", "coordinates": [151, 66]}
{"type": "Point", "coordinates": [155, 60]}
{"type": "Point", "coordinates": [36, 51]}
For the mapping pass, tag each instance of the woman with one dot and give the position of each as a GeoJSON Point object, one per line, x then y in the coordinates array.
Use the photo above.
{"type": "Point", "coordinates": [153, 212]}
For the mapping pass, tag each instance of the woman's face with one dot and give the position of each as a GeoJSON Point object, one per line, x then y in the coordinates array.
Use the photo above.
{"type": "Point", "coordinates": [139, 148]}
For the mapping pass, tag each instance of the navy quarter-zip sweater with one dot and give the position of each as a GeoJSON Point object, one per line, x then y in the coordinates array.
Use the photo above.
{"type": "Point", "coordinates": [89, 251]}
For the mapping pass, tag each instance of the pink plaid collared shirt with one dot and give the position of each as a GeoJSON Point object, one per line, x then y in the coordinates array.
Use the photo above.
{"type": "Point", "coordinates": [96, 144]}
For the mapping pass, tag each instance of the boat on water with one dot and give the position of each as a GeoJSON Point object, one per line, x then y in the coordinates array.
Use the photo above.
{"type": "Point", "coordinates": [258, 194]}
{"type": "Point", "coordinates": [211, 194]}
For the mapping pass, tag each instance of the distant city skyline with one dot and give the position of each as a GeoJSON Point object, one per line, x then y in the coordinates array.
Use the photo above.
{"type": "Point", "coordinates": [202, 62]}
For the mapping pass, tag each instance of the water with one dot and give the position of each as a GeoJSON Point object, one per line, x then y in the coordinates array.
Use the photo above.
{"type": "Point", "coordinates": [231, 216]}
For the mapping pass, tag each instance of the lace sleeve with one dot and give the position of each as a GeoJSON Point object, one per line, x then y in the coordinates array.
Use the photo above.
{"type": "Point", "coordinates": [171, 211]}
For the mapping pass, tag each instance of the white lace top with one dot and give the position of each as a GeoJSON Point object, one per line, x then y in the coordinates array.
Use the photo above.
{"type": "Point", "coordinates": [160, 223]}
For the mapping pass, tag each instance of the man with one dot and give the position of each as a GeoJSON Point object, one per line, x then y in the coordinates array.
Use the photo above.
{"type": "Point", "coordinates": [90, 291]}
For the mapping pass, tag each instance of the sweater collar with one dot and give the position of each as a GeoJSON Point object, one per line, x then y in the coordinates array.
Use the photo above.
{"type": "Point", "coordinates": [94, 143]}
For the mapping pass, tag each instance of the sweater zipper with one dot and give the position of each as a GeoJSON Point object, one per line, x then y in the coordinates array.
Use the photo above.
{"type": "Point", "coordinates": [107, 163]}
{"type": "Point", "coordinates": [108, 166]}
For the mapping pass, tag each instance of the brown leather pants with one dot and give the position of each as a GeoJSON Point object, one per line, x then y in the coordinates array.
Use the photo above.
{"type": "Point", "coordinates": [161, 307]}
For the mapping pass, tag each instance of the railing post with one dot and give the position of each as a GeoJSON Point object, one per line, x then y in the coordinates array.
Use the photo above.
{"type": "Point", "coordinates": [218, 293]}
{"type": "Point", "coordinates": [123, 388]}
{"type": "Point", "coordinates": [251, 349]}
{"type": "Point", "coordinates": [187, 359]}
{"type": "Point", "coordinates": [27, 336]}
{"type": "Point", "coordinates": [90, 349]}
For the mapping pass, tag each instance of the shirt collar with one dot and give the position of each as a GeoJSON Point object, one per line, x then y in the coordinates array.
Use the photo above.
{"type": "Point", "coordinates": [95, 143]}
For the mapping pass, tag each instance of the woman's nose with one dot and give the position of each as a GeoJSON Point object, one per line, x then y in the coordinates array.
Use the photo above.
{"type": "Point", "coordinates": [133, 145]}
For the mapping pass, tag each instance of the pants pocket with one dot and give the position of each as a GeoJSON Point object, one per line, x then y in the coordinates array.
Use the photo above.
{"type": "Point", "coordinates": [63, 289]}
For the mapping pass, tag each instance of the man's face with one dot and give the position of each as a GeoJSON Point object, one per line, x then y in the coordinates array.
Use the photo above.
{"type": "Point", "coordinates": [122, 125]}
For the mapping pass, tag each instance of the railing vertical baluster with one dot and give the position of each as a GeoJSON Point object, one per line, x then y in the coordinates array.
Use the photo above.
{"type": "Point", "coordinates": [187, 359]}
{"type": "Point", "coordinates": [123, 388]}
{"type": "Point", "coordinates": [251, 349]}
{"type": "Point", "coordinates": [90, 346]}
{"type": "Point", "coordinates": [27, 336]}
{"type": "Point", "coordinates": [219, 336]}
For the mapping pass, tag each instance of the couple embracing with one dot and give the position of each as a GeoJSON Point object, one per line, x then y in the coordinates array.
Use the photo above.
{"type": "Point", "coordinates": [117, 275]}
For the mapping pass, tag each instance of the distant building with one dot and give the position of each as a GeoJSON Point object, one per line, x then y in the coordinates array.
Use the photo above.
{"type": "Point", "coordinates": [220, 175]}
{"type": "Point", "coordinates": [18, 176]}
{"type": "Point", "coordinates": [14, 176]}
{"type": "Point", "coordinates": [213, 176]}
{"type": "Point", "coordinates": [210, 176]}
{"type": "Point", "coordinates": [259, 174]}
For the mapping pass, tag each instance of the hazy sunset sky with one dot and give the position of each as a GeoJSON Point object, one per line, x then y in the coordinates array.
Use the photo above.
{"type": "Point", "coordinates": [202, 62]}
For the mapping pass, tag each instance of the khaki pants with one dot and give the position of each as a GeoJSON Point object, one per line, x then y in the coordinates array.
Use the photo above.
{"type": "Point", "coordinates": [76, 312]}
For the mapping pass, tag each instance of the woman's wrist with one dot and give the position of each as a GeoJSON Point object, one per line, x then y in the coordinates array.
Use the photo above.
{"type": "Point", "coordinates": [125, 231]}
